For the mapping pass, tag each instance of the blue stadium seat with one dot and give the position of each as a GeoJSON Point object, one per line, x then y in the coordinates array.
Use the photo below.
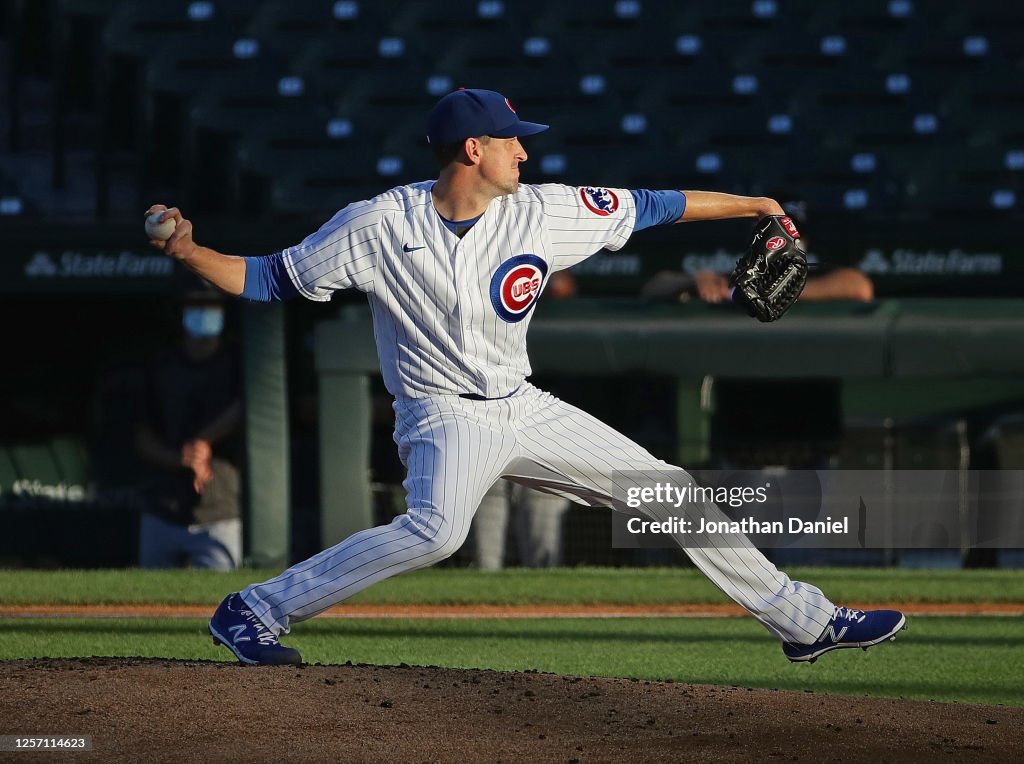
{"type": "Point", "coordinates": [290, 24]}
{"type": "Point", "coordinates": [707, 85]}
{"type": "Point", "coordinates": [359, 66]}
{"type": "Point", "coordinates": [565, 19]}
{"type": "Point", "coordinates": [272, 148]}
{"type": "Point", "coordinates": [947, 54]}
{"type": "Point", "coordinates": [76, 40]}
{"type": "Point", "coordinates": [441, 23]}
{"type": "Point", "coordinates": [322, 175]}
{"type": "Point", "coordinates": [336, 181]}
{"type": "Point", "coordinates": [225, 107]}
{"type": "Point", "coordinates": [173, 77]}
{"type": "Point", "coordinates": [130, 35]}
{"type": "Point", "coordinates": [879, 17]}
{"type": "Point", "coordinates": [288, 27]}
{"type": "Point", "coordinates": [381, 103]}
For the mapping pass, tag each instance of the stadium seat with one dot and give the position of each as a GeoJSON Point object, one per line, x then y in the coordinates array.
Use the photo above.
{"type": "Point", "coordinates": [584, 166]}
{"type": "Point", "coordinates": [801, 58]}
{"type": "Point", "coordinates": [880, 17]}
{"type": "Point", "coordinates": [225, 107]}
{"type": "Point", "coordinates": [603, 124]}
{"type": "Point", "coordinates": [566, 19]}
{"type": "Point", "coordinates": [173, 77]}
{"type": "Point", "coordinates": [441, 23]}
{"type": "Point", "coordinates": [852, 92]}
{"type": "Point", "coordinates": [707, 105]}
{"type": "Point", "coordinates": [991, 166]}
{"type": "Point", "coordinates": [130, 35]}
{"type": "Point", "coordinates": [135, 25]}
{"type": "Point", "coordinates": [505, 63]}
{"type": "Point", "coordinates": [341, 178]}
{"type": "Point", "coordinates": [339, 58]}
{"type": "Point", "coordinates": [273, 148]}
{"type": "Point", "coordinates": [746, 169]}
{"type": "Point", "coordinates": [951, 53]}
{"type": "Point", "coordinates": [377, 83]}
{"type": "Point", "coordinates": [999, 95]}
{"type": "Point", "coordinates": [76, 42]}
{"type": "Point", "coordinates": [473, 56]}
{"type": "Point", "coordinates": [983, 181]}
{"type": "Point", "coordinates": [899, 79]}
{"type": "Point", "coordinates": [288, 26]}
{"type": "Point", "coordinates": [279, 173]}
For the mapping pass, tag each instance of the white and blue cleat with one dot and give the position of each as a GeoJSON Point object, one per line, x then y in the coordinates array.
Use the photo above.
{"type": "Point", "coordinates": [850, 628]}
{"type": "Point", "coordinates": [236, 627]}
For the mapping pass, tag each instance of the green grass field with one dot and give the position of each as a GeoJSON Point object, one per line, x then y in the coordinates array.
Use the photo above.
{"type": "Point", "coordinates": [442, 586]}
{"type": "Point", "coordinates": [966, 659]}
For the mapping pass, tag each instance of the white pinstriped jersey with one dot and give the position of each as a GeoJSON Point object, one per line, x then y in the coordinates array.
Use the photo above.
{"type": "Point", "coordinates": [450, 315]}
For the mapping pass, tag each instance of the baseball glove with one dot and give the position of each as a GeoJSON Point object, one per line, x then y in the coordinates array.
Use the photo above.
{"type": "Point", "coordinates": [769, 278]}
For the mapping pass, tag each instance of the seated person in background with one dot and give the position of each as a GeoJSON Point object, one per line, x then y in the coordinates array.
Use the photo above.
{"type": "Point", "coordinates": [824, 282]}
{"type": "Point", "coordinates": [838, 283]}
{"type": "Point", "coordinates": [189, 436]}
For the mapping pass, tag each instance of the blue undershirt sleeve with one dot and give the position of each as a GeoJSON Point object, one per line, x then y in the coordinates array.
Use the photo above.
{"type": "Point", "coordinates": [657, 207]}
{"type": "Point", "coordinates": [267, 280]}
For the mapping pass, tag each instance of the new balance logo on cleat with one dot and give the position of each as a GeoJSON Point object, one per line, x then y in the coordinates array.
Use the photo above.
{"type": "Point", "coordinates": [831, 634]}
{"type": "Point", "coordinates": [250, 641]}
{"type": "Point", "coordinates": [849, 628]}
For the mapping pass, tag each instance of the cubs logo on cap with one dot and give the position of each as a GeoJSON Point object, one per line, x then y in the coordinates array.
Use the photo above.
{"type": "Point", "coordinates": [471, 113]}
{"type": "Point", "coordinates": [600, 201]}
{"type": "Point", "coordinates": [516, 285]}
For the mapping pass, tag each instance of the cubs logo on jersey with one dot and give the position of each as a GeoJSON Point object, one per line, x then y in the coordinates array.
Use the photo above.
{"type": "Point", "coordinates": [516, 285]}
{"type": "Point", "coordinates": [600, 201]}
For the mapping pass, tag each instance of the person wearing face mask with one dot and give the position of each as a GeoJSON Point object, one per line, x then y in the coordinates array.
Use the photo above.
{"type": "Point", "coordinates": [189, 437]}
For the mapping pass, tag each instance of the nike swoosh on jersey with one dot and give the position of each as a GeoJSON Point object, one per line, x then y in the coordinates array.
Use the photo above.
{"type": "Point", "coordinates": [407, 248]}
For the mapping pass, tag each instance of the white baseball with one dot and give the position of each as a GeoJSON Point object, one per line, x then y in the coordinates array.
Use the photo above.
{"type": "Point", "coordinates": [157, 230]}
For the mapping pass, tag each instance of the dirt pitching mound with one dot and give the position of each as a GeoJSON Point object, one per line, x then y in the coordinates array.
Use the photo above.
{"type": "Point", "coordinates": [156, 711]}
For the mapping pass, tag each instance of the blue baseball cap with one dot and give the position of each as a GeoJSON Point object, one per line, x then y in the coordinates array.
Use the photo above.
{"type": "Point", "coordinates": [466, 113]}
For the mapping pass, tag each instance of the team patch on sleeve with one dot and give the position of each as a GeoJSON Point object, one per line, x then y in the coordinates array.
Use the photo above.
{"type": "Point", "coordinates": [515, 286]}
{"type": "Point", "coordinates": [600, 201]}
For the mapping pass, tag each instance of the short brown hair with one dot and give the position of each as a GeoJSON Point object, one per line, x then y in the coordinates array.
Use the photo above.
{"type": "Point", "coordinates": [447, 153]}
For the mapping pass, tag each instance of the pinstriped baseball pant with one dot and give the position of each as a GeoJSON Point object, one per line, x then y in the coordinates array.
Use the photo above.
{"type": "Point", "coordinates": [454, 449]}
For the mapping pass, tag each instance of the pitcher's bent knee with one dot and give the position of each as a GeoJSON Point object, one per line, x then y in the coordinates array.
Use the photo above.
{"type": "Point", "coordinates": [439, 536]}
